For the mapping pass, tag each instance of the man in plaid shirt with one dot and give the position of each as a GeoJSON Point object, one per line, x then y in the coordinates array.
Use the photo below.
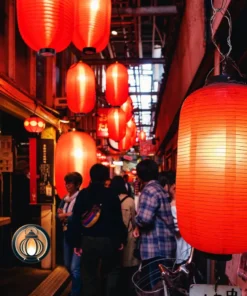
{"type": "Point", "coordinates": [154, 217]}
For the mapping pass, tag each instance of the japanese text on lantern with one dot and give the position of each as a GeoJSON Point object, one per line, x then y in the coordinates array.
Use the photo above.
{"type": "Point", "coordinates": [102, 125]}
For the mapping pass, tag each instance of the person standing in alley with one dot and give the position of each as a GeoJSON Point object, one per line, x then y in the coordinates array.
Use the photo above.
{"type": "Point", "coordinates": [154, 219]}
{"type": "Point", "coordinates": [65, 210]}
{"type": "Point", "coordinates": [127, 185]}
{"type": "Point", "coordinates": [98, 216]}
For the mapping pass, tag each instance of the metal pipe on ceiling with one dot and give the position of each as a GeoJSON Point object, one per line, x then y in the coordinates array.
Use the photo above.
{"type": "Point", "coordinates": [145, 11]}
{"type": "Point", "coordinates": [140, 51]}
{"type": "Point", "coordinates": [127, 61]}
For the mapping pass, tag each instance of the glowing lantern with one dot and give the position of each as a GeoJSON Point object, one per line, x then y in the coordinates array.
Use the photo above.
{"type": "Point", "coordinates": [51, 24]}
{"type": "Point", "coordinates": [75, 152]}
{"type": "Point", "coordinates": [117, 88]}
{"type": "Point", "coordinates": [142, 136]}
{"type": "Point", "coordinates": [125, 143]}
{"type": "Point", "coordinates": [31, 247]}
{"type": "Point", "coordinates": [34, 124]}
{"type": "Point", "coordinates": [116, 124]}
{"type": "Point", "coordinates": [92, 25]}
{"type": "Point", "coordinates": [211, 169]}
{"type": "Point", "coordinates": [128, 108]}
{"type": "Point", "coordinates": [80, 88]}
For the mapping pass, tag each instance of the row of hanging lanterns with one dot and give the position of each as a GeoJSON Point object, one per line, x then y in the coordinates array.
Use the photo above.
{"type": "Point", "coordinates": [81, 88]}
{"type": "Point", "coordinates": [56, 23]}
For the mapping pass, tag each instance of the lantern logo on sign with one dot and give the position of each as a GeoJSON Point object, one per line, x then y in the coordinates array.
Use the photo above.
{"type": "Point", "coordinates": [31, 243]}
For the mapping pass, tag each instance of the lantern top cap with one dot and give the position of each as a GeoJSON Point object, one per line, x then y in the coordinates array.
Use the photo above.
{"type": "Point", "coordinates": [31, 234]}
{"type": "Point", "coordinates": [224, 78]}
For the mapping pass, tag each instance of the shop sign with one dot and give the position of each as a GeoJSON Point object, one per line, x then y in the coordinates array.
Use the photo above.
{"type": "Point", "coordinates": [102, 125]}
{"type": "Point", "coordinates": [6, 154]}
{"type": "Point", "coordinates": [147, 148]}
{"type": "Point", "coordinates": [212, 290]}
{"type": "Point", "coordinates": [41, 158]}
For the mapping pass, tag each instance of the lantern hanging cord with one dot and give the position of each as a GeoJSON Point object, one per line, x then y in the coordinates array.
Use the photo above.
{"type": "Point", "coordinates": [225, 13]}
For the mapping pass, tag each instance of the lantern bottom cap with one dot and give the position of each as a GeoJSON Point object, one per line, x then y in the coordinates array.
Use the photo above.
{"type": "Point", "coordinates": [89, 50]}
{"type": "Point", "coordinates": [47, 52]}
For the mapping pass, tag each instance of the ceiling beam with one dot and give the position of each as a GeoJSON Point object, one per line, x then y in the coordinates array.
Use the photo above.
{"type": "Point", "coordinates": [145, 11]}
{"type": "Point", "coordinates": [143, 93]}
{"type": "Point", "coordinates": [127, 61]}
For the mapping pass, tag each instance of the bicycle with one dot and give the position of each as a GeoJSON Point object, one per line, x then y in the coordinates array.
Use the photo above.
{"type": "Point", "coordinates": [163, 277]}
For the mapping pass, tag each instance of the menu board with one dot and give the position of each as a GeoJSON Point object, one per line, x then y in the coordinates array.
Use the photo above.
{"type": "Point", "coordinates": [6, 154]}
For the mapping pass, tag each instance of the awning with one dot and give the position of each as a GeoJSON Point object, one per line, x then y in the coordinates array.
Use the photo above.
{"type": "Point", "coordinates": [19, 104]}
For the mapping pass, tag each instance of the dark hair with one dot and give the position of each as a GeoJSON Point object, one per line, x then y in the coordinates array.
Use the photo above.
{"type": "Point", "coordinates": [162, 178]}
{"type": "Point", "coordinates": [99, 173]}
{"type": "Point", "coordinates": [74, 177]}
{"type": "Point", "coordinates": [171, 176]}
{"type": "Point", "coordinates": [147, 170]}
{"type": "Point", "coordinates": [126, 176]}
{"type": "Point", "coordinates": [118, 185]}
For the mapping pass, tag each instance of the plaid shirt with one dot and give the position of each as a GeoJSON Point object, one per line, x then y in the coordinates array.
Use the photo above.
{"type": "Point", "coordinates": [154, 217]}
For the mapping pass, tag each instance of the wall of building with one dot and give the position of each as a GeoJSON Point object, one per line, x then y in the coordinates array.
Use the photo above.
{"type": "Point", "coordinates": [187, 58]}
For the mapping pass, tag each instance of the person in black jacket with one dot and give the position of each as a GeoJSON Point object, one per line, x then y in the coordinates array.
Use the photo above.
{"type": "Point", "coordinates": [103, 241]}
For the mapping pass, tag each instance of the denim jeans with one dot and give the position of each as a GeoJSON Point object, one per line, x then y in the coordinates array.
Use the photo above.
{"type": "Point", "coordinates": [73, 264]}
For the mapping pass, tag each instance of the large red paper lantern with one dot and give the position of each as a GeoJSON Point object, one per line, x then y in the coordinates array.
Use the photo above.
{"type": "Point", "coordinates": [117, 88]}
{"type": "Point", "coordinates": [46, 26]}
{"type": "Point", "coordinates": [92, 25]}
{"type": "Point", "coordinates": [128, 108]}
{"type": "Point", "coordinates": [211, 169]}
{"type": "Point", "coordinates": [116, 124]}
{"type": "Point", "coordinates": [125, 143]}
{"type": "Point", "coordinates": [80, 88]}
{"type": "Point", "coordinates": [75, 152]}
{"type": "Point", "coordinates": [34, 124]}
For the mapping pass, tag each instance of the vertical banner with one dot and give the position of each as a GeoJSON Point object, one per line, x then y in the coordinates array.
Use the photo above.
{"type": "Point", "coordinates": [33, 170]}
{"type": "Point", "coordinates": [41, 171]}
{"type": "Point", "coordinates": [102, 125]}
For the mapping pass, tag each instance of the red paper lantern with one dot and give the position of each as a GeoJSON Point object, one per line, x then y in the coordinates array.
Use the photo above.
{"type": "Point", "coordinates": [46, 26]}
{"type": "Point", "coordinates": [92, 25]}
{"type": "Point", "coordinates": [117, 88]}
{"type": "Point", "coordinates": [80, 88]}
{"type": "Point", "coordinates": [34, 124]}
{"type": "Point", "coordinates": [75, 152]}
{"type": "Point", "coordinates": [211, 169]}
{"type": "Point", "coordinates": [125, 143]}
{"type": "Point", "coordinates": [142, 136]}
{"type": "Point", "coordinates": [128, 108]}
{"type": "Point", "coordinates": [116, 124]}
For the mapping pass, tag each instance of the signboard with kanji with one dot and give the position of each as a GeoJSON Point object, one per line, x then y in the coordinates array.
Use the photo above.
{"type": "Point", "coordinates": [211, 290]}
{"type": "Point", "coordinates": [6, 154]}
{"type": "Point", "coordinates": [102, 127]}
{"type": "Point", "coordinates": [41, 158]}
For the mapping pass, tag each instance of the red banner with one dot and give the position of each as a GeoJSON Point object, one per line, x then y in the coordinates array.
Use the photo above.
{"type": "Point", "coordinates": [102, 125]}
{"type": "Point", "coordinates": [33, 170]}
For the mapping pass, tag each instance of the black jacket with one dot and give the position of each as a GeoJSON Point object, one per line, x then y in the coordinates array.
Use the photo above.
{"type": "Point", "coordinates": [110, 223]}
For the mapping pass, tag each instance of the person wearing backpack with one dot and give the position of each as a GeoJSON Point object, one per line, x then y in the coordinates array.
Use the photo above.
{"type": "Point", "coordinates": [129, 263]}
{"type": "Point", "coordinates": [97, 215]}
